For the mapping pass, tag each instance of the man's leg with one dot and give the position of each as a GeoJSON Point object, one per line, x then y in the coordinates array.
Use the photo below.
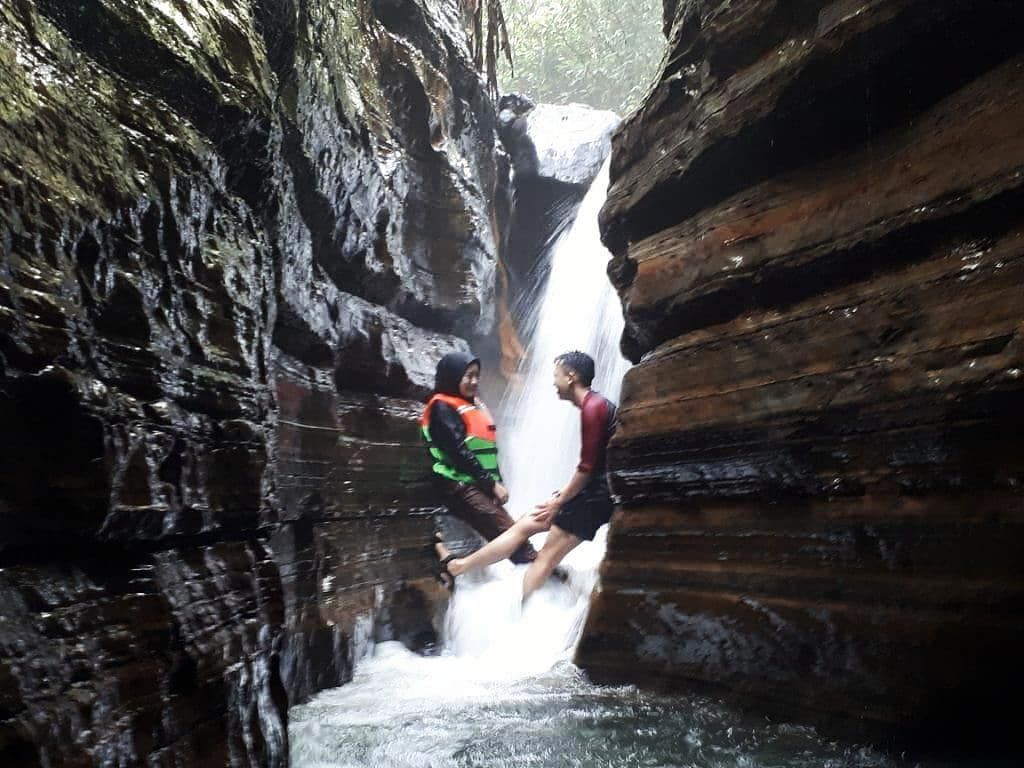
{"type": "Point", "coordinates": [495, 550]}
{"type": "Point", "coordinates": [558, 544]}
{"type": "Point", "coordinates": [487, 517]}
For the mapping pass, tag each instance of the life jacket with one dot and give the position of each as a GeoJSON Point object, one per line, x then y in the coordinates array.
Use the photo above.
{"type": "Point", "coordinates": [481, 438]}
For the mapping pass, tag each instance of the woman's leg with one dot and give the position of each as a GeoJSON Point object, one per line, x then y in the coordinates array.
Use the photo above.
{"type": "Point", "coordinates": [485, 515]}
{"type": "Point", "coordinates": [495, 550]}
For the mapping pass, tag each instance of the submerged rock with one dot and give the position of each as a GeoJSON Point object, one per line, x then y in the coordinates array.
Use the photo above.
{"type": "Point", "coordinates": [816, 227]}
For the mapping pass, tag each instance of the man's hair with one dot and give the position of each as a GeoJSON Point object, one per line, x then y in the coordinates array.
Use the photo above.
{"type": "Point", "coordinates": [579, 363]}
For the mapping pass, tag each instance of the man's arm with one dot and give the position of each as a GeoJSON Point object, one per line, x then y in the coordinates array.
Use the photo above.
{"type": "Point", "coordinates": [449, 434]}
{"type": "Point", "coordinates": [593, 420]}
{"type": "Point", "coordinates": [576, 484]}
{"type": "Point", "coordinates": [546, 511]}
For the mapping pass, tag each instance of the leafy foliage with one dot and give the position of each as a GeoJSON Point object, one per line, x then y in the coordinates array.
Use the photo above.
{"type": "Point", "coordinates": [604, 53]}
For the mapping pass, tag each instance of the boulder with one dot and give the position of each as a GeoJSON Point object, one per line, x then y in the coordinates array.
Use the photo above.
{"type": "Point", "coordinates": [567, 143]}
{"type": "Point", "coordinates": [555, 151]}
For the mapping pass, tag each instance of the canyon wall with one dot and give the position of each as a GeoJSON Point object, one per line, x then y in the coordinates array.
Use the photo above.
{"type": "Point", "coordinates": [235, 237]}
{"type": "Point", "coordinates": [818, 235]}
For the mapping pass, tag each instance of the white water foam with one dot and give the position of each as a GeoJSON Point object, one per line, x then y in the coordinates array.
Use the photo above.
{"type": "Point", "coordinates": [539, 444]}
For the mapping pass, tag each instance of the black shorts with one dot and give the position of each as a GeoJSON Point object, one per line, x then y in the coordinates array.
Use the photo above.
{"type": "Point", "coordinates": [587, 511]}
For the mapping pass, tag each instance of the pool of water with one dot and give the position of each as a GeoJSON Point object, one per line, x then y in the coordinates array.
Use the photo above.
{"type": "Point", "coordinates": [403, 711]}
{"type": "Point", "coordinates": [505, 694]}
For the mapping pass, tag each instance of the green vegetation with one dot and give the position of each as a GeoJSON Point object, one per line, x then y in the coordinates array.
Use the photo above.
{"type": "Point", "coordinates": [604, 53]}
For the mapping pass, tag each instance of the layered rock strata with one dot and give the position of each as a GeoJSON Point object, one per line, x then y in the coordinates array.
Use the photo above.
{"type": "Point", "coordinates": [817, 231]}
{"type": "Point", "coordinates": [235, 237]}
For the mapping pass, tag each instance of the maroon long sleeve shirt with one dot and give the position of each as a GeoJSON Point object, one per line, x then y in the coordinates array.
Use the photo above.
{"type": "Point", "coordinates": [597, 423]}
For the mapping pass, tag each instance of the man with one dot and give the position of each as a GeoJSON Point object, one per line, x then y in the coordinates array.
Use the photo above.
{"type": "Point", "coordinates": [462, 439]}
{"type": "Point", "coordinates": [573, 513]}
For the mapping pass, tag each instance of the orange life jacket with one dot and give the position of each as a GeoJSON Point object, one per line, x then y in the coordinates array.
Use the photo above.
{"type": "Point", "coordinates": [481, 438]}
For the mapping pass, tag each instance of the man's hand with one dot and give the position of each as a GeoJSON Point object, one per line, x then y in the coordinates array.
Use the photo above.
{"type": "Point", "coordinates": [545, 511]}
{"type": "Point", "coordinates": [500, 493]}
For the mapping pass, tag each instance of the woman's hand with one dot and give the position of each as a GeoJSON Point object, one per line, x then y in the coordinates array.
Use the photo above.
{"type": "Point", "coordinates": [500, 493]}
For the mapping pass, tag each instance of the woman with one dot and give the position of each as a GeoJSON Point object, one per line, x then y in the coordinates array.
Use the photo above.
{"type": "Point", "coordinates": [462, 438]}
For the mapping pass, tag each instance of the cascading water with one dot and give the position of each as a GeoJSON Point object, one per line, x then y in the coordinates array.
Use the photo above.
{"type": "Point", "coordinates": [504, 694]}
{"type": "Point", "coordinates": [540, 445]}
{"type": "Point", "coordinates": [578, 310]}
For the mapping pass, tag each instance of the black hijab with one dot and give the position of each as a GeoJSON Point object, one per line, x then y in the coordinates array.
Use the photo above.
{"type": "Point", "coordinates": [450, 370]}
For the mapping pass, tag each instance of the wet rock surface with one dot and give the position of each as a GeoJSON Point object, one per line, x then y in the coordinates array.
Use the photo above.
{"type": "Point", "coordinates": [117, 661]}
{"type": "Point", "coordinates": [567, 143]}
{"type": "Point", "coordinates": [234, 239]}
{"type": "Point", "coordinates": [817, 235]}
{"type": "Point", "coordinates": [555, 151]}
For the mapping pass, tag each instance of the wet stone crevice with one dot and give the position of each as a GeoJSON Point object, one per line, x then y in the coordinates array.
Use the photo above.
{"type": "Point", "coordinates": [219, 310]}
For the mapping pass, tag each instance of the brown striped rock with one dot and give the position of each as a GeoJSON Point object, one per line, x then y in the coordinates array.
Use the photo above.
{"type": "Point", "coordinates": [818, 236]}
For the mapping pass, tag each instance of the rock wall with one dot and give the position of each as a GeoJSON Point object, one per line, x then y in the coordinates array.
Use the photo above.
{"type": "Point", "coordinates": [235, 236]}
{"type": "Point", "coordinates": [816, 220]}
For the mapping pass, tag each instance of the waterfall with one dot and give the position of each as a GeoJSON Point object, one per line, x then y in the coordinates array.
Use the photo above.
{"type": "Point", "coordinates": [578, 309]}
{"type": "Point", "coordinates": [539, 443]}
